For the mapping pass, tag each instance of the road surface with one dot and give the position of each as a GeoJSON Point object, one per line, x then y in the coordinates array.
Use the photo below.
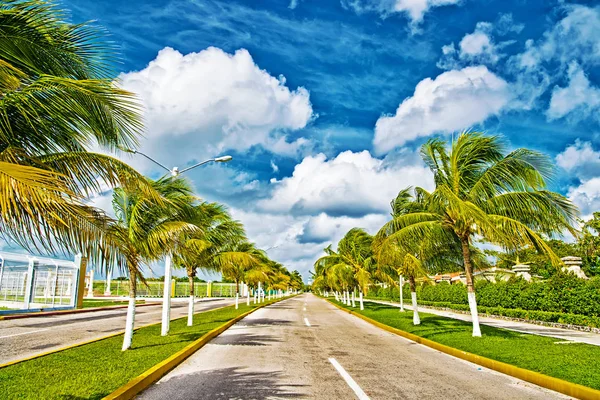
{"type": "Point", "coordinates": [26, 337]}
{"type": "Point", "coordinates": [306, 348]}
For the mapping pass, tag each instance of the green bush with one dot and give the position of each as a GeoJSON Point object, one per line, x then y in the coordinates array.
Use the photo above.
{"type": "Point", "coordinates": [563, 294]}
{"type": "Point", "coordinates": [531, 315]}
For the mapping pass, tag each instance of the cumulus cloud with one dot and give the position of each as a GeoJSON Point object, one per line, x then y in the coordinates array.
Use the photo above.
{"type": "Point", "coordinates": [452, 101]}
{"type": "Point", "coordinates": [201, 103]}
{"type": "Point", "coordinates": [581, 160]}
{"type": "Point", "coordinates": [415, 10]}
{"type": "Point", "coordinates": [351, 184]}
{"type": "Point", "coordinates": [297, 241]}
{"type": "Point", "coordinates": [578, 100]}
{"type": "Point", "coordinates": [324, 228]}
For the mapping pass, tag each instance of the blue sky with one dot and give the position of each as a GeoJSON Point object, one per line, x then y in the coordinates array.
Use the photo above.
{"type": "Point", "coordinates": [323, 104]}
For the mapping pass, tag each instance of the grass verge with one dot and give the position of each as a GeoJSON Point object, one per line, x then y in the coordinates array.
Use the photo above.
{"type": "Point", "coordinates": [90, 303]}
{"type": "Point", "coordinates": [95, 370]}
{"type": "Point", "coordinates": [574, 362]}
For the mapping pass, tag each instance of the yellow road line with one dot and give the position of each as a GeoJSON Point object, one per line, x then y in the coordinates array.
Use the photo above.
{"type": "Point", "coordinates": [141, 382]}
{"type": "Point", "coordinates": [93, 340]}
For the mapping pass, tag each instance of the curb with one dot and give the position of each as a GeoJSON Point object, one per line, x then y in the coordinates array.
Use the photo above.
{"type": "Point", "coordinates": [93, 340]}
{"type": "Point", "coordinates": [64, 312]}
{"type": "Point", "coordinates": [143, 381]}
{"type": "Point", "coordinates": [545, 381]}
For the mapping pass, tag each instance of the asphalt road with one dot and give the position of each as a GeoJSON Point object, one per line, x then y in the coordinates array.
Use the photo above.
{"type": "Point", "coordinates": [306, 348]}
{"type": "Point", "coordinates": [21, 338]}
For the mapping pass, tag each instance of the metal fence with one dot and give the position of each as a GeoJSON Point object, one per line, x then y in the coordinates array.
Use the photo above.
{"type": "Point", "coordinates": [156, 289]}
{"type": "Point", "coordinates": [28, 282]}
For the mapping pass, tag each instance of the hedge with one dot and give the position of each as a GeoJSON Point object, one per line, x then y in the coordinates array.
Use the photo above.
{"type": "Point", "coordinates": [563, 295]}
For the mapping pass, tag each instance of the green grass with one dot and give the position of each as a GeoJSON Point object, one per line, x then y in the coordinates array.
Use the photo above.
{"type": "Point", "coordinates": [576, 362]}
{"type": "Point", "coordinates": [90, 303]}
{"type": "Point", "coordinates": [94, 370]}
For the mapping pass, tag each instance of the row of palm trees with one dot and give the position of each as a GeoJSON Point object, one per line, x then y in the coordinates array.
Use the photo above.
{"type": "Point", "coordinates": [482, 194]}
{"type": "Point", "coordinates": [58, 100]}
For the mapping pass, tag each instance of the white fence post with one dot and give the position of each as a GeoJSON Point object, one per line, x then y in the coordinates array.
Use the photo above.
{"type": "Point", "coordinates": [29, 284]}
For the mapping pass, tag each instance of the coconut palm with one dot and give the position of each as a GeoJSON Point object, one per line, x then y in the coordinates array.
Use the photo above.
{"type": "Point", "coordinates": [354, 252]}
{"type": "Point", "coordinates": [57, 100]}
{"type": "Point", "coordinates": [146, 230]}
{"type": "Point", "coordinates": [216, 230]}
{"type": "Point", "coordinates": [236, 260]}
{"type": "Point", "coordinates": [482, 192]}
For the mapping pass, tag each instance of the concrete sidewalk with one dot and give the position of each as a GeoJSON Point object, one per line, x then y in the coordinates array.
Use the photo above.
{"type": "Point", "coordinates": [566, 335]}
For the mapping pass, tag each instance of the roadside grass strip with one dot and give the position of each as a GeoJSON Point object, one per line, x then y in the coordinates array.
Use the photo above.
{"type": "Point", "coordinates": [88, 303]}
{"type": "Point", "coordinates": [576, 363]}
{"type": "Point", "coordinates": [97, 369]}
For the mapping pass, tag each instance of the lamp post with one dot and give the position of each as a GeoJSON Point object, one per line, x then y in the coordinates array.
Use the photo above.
{"type": "Point", "coordinates": [166, 310]}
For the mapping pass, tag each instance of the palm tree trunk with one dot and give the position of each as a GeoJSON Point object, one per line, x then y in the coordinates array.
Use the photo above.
{"type": "Point", "coordinates": [353, 298]}
{"type": "Point", "coordinates": [237, 294]}
{"type": "Point", "coordinates": [362, 306]}
{"type": "Point", "coordinates": [130, 320]}
{"type": "Point", "coordinates": [470, 286]}
{"type": "Point", "coordinates": [413, 296]}
{"type": "Point", "coordinates": [190, 321]}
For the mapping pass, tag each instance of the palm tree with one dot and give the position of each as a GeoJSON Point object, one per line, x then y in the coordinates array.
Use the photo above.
{"type": "Point", "coordinates": [216, 230]}
{"type": "Point", "coordinates": [57, 99]}
{"type": "Point", "coordinates": [146, 230]}
{"type": "Point", "coordinates": [235, 261]}
{"type": "Point", "coordinates": [354, 252]}
{"type": "Point", "coordinates": [483, 192]}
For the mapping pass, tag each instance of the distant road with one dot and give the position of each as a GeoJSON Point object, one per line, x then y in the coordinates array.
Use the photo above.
{"type": "Point", "coordinates": [306, 348]}
{"type": "Point", "coordinates": [21, 338]}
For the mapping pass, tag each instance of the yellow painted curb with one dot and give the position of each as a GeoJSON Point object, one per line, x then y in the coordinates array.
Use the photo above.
{"type": "Point", "coordinates": [548, 382]}
{"type": "Point", "coordinates": [136, 385]}
{"type": "Point", "coordinates": [94, 340]}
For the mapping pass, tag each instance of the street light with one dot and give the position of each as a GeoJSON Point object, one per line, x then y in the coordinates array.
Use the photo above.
{"type": "Point", "coordinates": [175, 170]}
{"type": "Point", "coordinates": [166, 311]}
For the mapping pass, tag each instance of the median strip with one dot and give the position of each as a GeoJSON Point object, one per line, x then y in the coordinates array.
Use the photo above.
{"type": "Point", "coordinates": [535, 359]}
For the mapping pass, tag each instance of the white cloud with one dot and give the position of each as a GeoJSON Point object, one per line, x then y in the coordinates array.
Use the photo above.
{"type": "Point", "coordinates": [414, 9]}
{"type": "Point", "coordinates": [575, 37]}
{"type": "Point", "coordinates": [579, 96]}
{"type": "Point", "coordinates": [581, 160]}
{"type": "Point", "coordinates": [198, 104]}
{"type": "Point", "coordinates": [477, 48]}
{"type": "Point", "coordinates": [586, 196]}
{"type": "Point", "coordinates": [452, 101]}
{"type": "Point", "coordinates": [506, 24]}
{"type": "Point", "coordinates": [298, 241]}
{"type": "Point", "coordinates": [274, 167]}
{"type": "Point", "coordinates": [351, 184]}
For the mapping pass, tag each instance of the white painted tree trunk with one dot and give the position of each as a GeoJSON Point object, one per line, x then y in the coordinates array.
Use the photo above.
{"type": "Point", "coordinates": [166, 309]}
{"type": "Point", "coordinates": [401, 294]}
{"type": "Point", "coordinates": [416, 319]}
{"type": "Point", "coordinates": [362, 306]}
{"type": "Point", "coordinates": [129, 322]}
{"type": "Point", "coordinates": [248, 298]}
{"type": "Point", "coordinates": [237, 300]}
{"type": "Point", "coordinates": [191, 311]}
{"type": "Point", "coordinates": [474, 314]}
{"type": "Point", "coordinates": [353, 299]}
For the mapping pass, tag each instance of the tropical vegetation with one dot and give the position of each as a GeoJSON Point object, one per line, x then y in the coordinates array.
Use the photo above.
{"type": "Point", "coordinates": [58, 102]}
{"type": "Point", "coordinates": [482, 194]}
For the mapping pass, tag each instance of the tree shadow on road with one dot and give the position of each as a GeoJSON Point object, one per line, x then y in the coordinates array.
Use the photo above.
{"type": "Point", "coordinates": [225, 384]}
{"type": "Point", "coordinates": [244, 339]}
{"type": "Point", "coordinates": [264, 321]}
